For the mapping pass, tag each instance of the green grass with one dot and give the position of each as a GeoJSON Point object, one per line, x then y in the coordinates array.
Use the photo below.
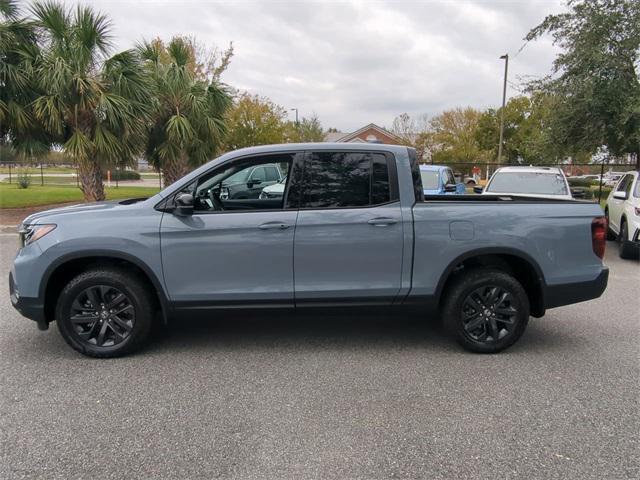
{"type": "Point", "coordinates": [13, 197]}
{"type": "Point", "coordinates": [36, 171]}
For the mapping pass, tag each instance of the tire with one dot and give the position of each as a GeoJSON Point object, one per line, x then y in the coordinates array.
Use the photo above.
{"type": "Point", "coordinates": [625, 247]}
{"type": "Point", "coordinates": [611, 235]}
{"type": "Point", "coordinates": [100, 332]}
{"type": "Point", "coordinates": [470, 325]}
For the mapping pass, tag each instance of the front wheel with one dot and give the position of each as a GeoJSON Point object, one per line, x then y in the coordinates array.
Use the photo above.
{"type": "Point", "coordinates": [610, 233]}
{"type": "Point", "coordinates": [105, 312]}
{"type": "Point", "coordinates": [486, 310]}
{"type": "Point", "coordinates": [625, 247]}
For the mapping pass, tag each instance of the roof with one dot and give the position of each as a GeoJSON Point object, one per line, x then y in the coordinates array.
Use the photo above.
{"type": "Point", "coordinates": [372, 126]}
{"type": "Point", "coordinates": [530, 169]}
{"type": "Point", "coordinates": [430, 168]}
{"type": "Point", "coordinates": [333, 136]}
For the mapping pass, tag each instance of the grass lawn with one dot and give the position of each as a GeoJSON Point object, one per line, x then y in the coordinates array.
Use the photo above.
{"type": "Point", "coordinates": [13, 197]}
{"type": "Point", "coordinates": [36, 170]}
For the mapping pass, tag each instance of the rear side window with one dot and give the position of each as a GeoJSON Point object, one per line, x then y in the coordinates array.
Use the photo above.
{"type": "Point", "coordinates": [345, 179]}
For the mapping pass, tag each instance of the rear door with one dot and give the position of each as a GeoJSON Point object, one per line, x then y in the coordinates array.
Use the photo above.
{"type": "Point", "coordinates": [349, 238]}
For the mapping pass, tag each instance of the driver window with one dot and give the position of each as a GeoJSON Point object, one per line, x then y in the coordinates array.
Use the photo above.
{"type": "Point", "coordinates": [244, 185]}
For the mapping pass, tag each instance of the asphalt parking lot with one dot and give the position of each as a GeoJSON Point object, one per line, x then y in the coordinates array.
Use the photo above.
{"type": "Point", "coordinates": [328, 396]}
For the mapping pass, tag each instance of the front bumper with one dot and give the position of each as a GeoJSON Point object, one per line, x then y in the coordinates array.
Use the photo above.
{"type": "Point", "coordinates": [32, 308]}
{"type": "Point", "coordinates": [568, 293]}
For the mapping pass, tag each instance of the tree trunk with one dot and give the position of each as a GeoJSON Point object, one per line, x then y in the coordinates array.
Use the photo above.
{"type": "Point", "coordinates": [174, 170]}
{"type": "Point", "coordinates": [90, 175]}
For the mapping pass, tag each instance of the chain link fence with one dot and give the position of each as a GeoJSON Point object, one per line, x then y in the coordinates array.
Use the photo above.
{"type": "Point", "coordinates": [67, 175]}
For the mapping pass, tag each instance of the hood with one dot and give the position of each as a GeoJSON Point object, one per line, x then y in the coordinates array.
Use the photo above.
{"type": "Point", "coordinates": [97, 207]}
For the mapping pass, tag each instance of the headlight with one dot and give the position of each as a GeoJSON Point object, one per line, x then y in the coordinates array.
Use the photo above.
{"type": "Point", "coordinates": [263, 195]}
{"type": "Point", "coordinates": [31, 233]}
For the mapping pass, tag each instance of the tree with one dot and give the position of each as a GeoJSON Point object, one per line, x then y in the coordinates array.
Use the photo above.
{"type": "Point", "coordinates": [594, 76]}
{"type": "Point", "coordinates": [413, 133]}
{"type": "Point", "coordinates": [255, 120]}
{"type": "Point", "coordinates": [453, 136]}
{"type": "Point", "coordinates": [307, 130]}
{"type": "Point", "coordinates": [189, 107]}
{"type": "Point", "coordinates": [527, 132]}
{"type": "Point", "coordinates": [94, 106]}
{"type": "Point", "coordinates": [18, 53]}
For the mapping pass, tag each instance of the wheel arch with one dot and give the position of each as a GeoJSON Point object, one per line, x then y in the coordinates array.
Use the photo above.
{"type": "Point", "coordinates": [68, 266]}
{"type": "Point", "coordinates": [514, 262]}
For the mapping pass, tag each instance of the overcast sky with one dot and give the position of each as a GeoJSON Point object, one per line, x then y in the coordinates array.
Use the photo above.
{"type": "Point", "coordinates": [356, 62]}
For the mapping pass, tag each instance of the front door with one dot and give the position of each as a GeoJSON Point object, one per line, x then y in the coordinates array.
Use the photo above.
{"type": "Point", "coordinates": [349, 233]}
{"type": "Point", "coordinates": [230, 251]}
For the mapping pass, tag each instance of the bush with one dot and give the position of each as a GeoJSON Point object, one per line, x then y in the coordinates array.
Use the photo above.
{"type": "Point", "coordinates": [24, 179]}
{"type": "Point", "coordinates": [122, 175]}
{"type": "Point", "coordinates": [581, 182]}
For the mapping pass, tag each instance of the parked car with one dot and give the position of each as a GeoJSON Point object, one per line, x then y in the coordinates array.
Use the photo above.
{"type": "Point", "coordinates": [249, 182]}
{"type": "Point", "coordinates": [274, 191]}
{"type": "Point", "coordinates": [623, 215]}
{"type": "Point", "coordinates": [439, 180]}
{"type": "Point", "coordinates": [540, 182]}
{"type": "Point", "coordinates": [353, 228]}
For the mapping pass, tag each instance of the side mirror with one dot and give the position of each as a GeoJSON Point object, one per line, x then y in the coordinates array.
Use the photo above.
{"type": "Point", "coordinates": [478, 189]}
{"type": "Point", "coordinates": [620, 195]}
{"type": "Point", "coordinates": [253, 182]}
{"type": "Point", "coordinates": [184, 205]}
{"type": "Point", "coordinates": [450, 187]}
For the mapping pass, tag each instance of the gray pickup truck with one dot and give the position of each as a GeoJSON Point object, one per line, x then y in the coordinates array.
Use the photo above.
{"type": "Point", "coordinates": [352, 229]}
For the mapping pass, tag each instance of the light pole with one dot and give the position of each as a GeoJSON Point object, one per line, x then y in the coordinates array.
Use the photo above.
{"type": "Point", "coordinates": [504, 57]}
{"type": "Point", "coordinates": [295, 110]}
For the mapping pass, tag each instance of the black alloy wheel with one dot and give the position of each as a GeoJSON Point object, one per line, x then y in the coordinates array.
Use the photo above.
{"type": "Point", "coordinates": [489, 314]}
{"type": "Point", "coordinates": [102, 316]}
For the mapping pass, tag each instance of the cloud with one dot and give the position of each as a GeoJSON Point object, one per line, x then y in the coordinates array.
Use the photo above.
{"type": "Point", "coordinates": [356, 62]}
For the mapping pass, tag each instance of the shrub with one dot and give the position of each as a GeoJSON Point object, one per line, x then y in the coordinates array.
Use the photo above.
{"type": "Point", "coordinates": [122, 175]}
{"type": "Point", "coordinates": [24, 179]}
{"type": "Point", "coordinates": [581, 182]}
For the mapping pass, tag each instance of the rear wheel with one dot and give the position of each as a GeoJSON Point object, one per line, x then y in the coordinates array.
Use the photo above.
{"type": "Point", "coordinates": [486, 310]}
{"type": "Point", "coordinates": [105, 312]}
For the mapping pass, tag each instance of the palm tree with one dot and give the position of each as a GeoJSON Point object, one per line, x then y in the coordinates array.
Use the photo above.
{"type": "Point", "coordinates": [188, 118]}
{"type": "Point", "coordinates": [18, 53]}
{"type": "Point", "coordinates": [95, 106]}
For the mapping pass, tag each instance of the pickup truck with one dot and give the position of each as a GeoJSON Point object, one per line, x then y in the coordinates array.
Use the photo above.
{"type": "Point", "coordinates": [352, 229]}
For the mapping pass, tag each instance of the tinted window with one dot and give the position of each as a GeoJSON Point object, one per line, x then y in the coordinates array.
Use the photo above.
{"type": "Point", "coordinates": [430, 179]}
{"type": "Point", "coordinates": [345, 179]}
{"type": "Point", "coordinates": [528, 182]}
{"type": "Point", "coordinates": [379, 180]}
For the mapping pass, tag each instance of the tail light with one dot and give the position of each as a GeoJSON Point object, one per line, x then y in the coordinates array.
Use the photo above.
{"type": "Point", "coordinates": [599, 235]}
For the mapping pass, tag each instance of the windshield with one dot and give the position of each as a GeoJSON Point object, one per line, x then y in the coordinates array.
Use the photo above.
{"type": "Point", "coordinates": [636, 192]}
{"type": "Point", "coordinates": [430, 179]}
{"type": "Point", "coordinates": [528, 182]}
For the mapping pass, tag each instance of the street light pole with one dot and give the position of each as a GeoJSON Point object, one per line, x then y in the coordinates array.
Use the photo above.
{"type": "Point", "coordinates": [504, 57]}
{"type": "Point", "coordinates": [296, 110]}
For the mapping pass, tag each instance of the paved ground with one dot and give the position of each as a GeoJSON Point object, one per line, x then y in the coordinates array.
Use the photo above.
{"type": "Point", "coordinates": [329, 397]}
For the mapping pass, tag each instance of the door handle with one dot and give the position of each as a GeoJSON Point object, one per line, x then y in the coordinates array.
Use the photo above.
{"type": "Point", "coordinates": [273, 226]}
{"type": "Point", "coordinates": [382, 221]}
